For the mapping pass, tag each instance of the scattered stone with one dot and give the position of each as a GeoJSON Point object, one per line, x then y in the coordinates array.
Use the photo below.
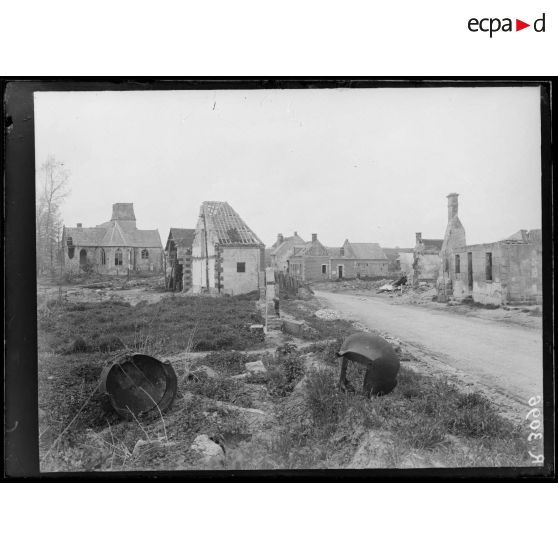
{"type": "Point", "coordinates": [209, 372]}
{"type": "Point", "coordinates": [42, 413]}
{"type": "Point", "coordinates": [256, 367]}
{"type": "Point", "coordinates": [387, 287]}
{"type": "Point", "coordinates": [257, 331]}
{"type": "Point", "coordinates": [326, 314]}
{"type": "Point", "coordinates": [293, 327]}
{"type": "Point", "coordinates": [211, 454]}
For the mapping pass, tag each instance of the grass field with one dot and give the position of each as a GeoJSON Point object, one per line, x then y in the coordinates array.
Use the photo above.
{"type": "Point", "coordinates": [304, 420]}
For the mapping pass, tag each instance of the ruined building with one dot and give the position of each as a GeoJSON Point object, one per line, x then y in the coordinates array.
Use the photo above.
{"type": "Point", "coordinates": [114, 247]}
{"type": "Point", "coordinates": [508, 271]}
{"type": "Point", "coordinates": [426, 259]}
{"type": "Point", "coordinates": [227, 256]}
{"type": "Point", "coordinates": [178, 252]}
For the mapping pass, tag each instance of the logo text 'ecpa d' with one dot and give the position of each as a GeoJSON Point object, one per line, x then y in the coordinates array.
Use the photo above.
{"type": "Point", "coordinates": [493, 25]}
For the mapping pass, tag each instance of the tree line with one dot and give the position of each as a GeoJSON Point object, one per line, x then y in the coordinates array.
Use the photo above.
{"type": "Point", "coordinates": [51, 187]}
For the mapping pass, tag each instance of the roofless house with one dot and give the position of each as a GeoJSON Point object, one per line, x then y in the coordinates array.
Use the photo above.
{"type": "Point", "coordinates": [227, 256]}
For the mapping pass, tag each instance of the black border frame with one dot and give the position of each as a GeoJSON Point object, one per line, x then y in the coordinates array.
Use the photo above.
{"type": "Point", "coordinates": [21, 459]}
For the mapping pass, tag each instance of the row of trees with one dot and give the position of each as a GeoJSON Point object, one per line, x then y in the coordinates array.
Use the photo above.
{"type": "Point", "coordinates": [51, 190]}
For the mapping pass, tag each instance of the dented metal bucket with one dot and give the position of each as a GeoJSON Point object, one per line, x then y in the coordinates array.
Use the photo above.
{"type": "Point", "coordinates": [137, 384]}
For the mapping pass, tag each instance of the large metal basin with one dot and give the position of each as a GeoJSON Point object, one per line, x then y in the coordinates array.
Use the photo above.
{"type": "Point", "coordinates": [137, 384]}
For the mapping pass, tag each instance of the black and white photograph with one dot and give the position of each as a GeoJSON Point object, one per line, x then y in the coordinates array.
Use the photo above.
{"type": "Point", "coordinates": [290, 278]}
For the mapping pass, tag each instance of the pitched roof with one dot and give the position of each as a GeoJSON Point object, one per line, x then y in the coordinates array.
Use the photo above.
{"type": "Point", "coordinates": [114, 236]}
{"type": "Point", "coordinates": [119, 231]}
{"type": "Point", "coordinates": [289, 241]}
{"type": "Point", "coordinates": [366, 251]}
{"type": "Point", "coordinates": [227, 224]}
{"type": "Point", "coordinates": [534, 235]}
{"type": "Point", "coordinates": [182, 238]}
{"type": "Point", "coordinates": [334, 252]}
{"type": "Point", "coordinates": [314, 248]}
{"type": "Point", "coordinates": [85, 236]}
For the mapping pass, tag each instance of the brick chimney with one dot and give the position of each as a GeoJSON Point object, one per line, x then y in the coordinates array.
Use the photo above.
{"type": "Point", "coordinates": [452, 206]}
{"type": "Point", "coordinates": [279, 238]}
{"type": "Point", "coordinates": [314, 237]}
{"type": "Point", "coordinates": [419, 237]}
{"type": "Point", "coordinates": [78, 225]}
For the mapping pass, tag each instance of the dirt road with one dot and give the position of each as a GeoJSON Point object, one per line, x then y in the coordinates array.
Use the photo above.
{"type": "Point", "coordinates": [504, 359]}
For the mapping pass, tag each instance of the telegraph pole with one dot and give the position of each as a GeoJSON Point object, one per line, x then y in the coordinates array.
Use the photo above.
{"type": "Point", "coordinates": [206, 252]}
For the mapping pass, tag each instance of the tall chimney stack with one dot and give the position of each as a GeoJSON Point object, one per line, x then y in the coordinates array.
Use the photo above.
{"type": "Point", "coordinates": [314, 237]}
{"type": "Point", "coordinates": [452, 206]}
{"type": "Point", "coordinates": [419, 237]}
{"type": "Point", "coordinates": [279, 238]}
{"type": "Point", "coordinates": [79, 225]}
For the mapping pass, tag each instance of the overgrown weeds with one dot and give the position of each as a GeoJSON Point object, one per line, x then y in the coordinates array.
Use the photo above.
{"type": "Point", "coordinates": [170, 322]}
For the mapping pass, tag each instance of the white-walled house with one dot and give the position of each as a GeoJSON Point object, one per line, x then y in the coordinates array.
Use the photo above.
{"type": "Point", "coordinates": [227, 256]}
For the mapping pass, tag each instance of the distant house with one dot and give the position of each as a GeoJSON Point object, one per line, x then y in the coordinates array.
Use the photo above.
{"type": "Point", "coordinates": [502, 272]}
{"type": "Point", "coordinates": [114, 247]}
{"type": "Point", "coordinates": [227, 256]}
{"type": "Point", "coordinates": [310, 262]}
{"type": "Point", "coordinates": [178, 251]}
{"type": "Point", "coordinates": [358, 259]}
{"type": "Point", "coordinates": [283, 249]}
{"type": "Point", "coordinates": [316, 262]}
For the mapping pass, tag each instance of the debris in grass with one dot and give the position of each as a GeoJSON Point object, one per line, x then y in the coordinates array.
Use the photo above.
{"type": "Point", "coordinates": [211, 453]}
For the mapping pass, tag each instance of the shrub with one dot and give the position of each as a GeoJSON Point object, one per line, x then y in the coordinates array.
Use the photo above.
{"type": "Point", "coordinates": [78, 345]}
{"type": "Point", "coordinates": [325, 402]}
{"type": "Point", "coordinates": [109, 343]}
{"type": "Point", "coordinates": [476, 416]}
{"type": "Point", "coordinates": [229, 363]}
{"type": "Point", "coordinates": [221, 389]}
{"type": "Point", "coordinates": [425, 433]}
{"type": "Point", "coordinates": [293, 367]}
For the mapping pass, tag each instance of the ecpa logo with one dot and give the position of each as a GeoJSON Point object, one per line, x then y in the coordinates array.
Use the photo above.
{"type": "Point", "coordinates": [494, 24]}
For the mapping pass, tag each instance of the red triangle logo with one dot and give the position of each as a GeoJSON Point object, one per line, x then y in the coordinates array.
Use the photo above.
{"type": "Point", "coordinates": [519, 25]}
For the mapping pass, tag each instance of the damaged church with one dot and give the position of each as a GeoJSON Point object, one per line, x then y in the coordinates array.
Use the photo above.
{"type": "Point", "coordinates": [114, 247]}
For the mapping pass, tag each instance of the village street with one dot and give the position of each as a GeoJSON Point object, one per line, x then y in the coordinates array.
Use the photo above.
{"type": "Point", "coordinates": [505, 359]}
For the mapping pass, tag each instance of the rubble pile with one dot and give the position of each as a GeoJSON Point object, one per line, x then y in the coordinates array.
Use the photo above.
{"type": "Point", "coordinates": [327, 314]}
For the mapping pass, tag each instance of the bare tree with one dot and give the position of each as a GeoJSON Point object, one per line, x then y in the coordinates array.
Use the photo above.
{"type": "Point", "coordinates": [52, 188]}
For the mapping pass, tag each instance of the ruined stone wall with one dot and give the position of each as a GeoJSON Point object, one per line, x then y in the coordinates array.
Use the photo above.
{"type": "Point", "coordinates": [516, 274]}
{"type": "Point", "coordinates": [237, 282]}
{"type": "Point", "coordinates": [406, 263]}
{"type": "Point", "coordinates": [425, 267]}
{"type": "Point", "coordinates": [201, 263]}
{"type": "Point", "coordinates": [524, 272]}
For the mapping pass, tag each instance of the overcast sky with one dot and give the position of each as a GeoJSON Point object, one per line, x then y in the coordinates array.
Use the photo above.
{"type": "Point", "coordinates": [370, 165]}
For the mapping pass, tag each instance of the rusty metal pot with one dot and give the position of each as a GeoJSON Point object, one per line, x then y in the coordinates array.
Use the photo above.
{"type": "Point", "coordinates": [379, 357]}
{"type": "Point", "coordinates": [137, 384]}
